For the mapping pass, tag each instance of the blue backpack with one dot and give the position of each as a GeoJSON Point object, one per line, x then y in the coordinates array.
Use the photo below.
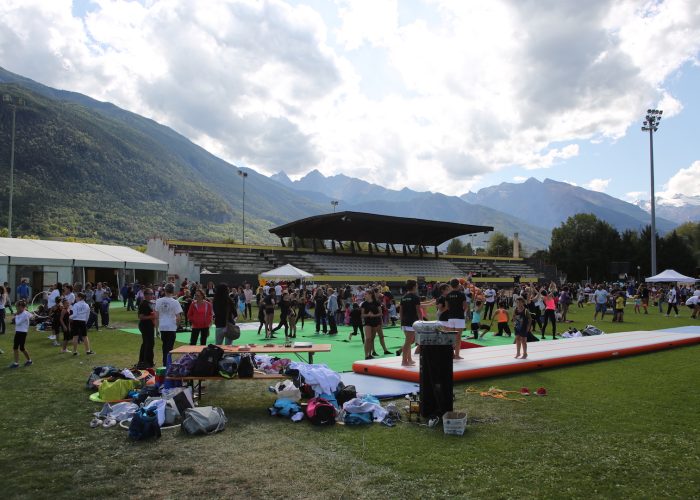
{"type": "Point", "coordinates": [182, 367]}
{"type": "Point", "coordinates": [144, 425]}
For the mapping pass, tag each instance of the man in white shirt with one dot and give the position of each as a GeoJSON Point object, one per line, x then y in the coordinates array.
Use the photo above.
{"type": "Point", "coordinates": [694, 304]}
{"type": "Point", "coordinates": [248, 294]}
{"type": "Point", "coordinates": [169, 314]}
{"type": "Point", "coordinates": [278, 292]}
{"type": "Point", "coordinates": [79, 318]}
{"type": "Point", "coordinates": [490, 296]}
{"type": "Point", "coordinates": [21, 321]}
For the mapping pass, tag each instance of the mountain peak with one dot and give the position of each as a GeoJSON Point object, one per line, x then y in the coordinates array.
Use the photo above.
{"type": "Point", "coordinates": [281, 177]}
{"type": "Point", "coordinates": [314, 174]}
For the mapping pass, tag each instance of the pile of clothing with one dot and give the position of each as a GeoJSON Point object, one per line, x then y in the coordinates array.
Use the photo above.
{"type": "Point", "coordinates": [328, 399]}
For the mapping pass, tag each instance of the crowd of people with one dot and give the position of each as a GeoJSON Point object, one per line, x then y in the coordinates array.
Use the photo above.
{"type": "Point", "coordinates": [163, 310]}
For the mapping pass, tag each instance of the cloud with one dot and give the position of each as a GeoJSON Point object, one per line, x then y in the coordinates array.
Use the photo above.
{"type": "Point", "coordinates": [634, 196]}
{"type": "Point", "coordinates": [460, 89]}
{"type": "Point", "coordinates": [599, 185]}
{"type": "Point", "coordinates": [684, 183]}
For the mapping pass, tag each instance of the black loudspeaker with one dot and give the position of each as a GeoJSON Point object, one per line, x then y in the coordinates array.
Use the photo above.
{"type": "Point", "coordinates": [516, 279]}
{"type": "Point", "coordinates": [436, 384]}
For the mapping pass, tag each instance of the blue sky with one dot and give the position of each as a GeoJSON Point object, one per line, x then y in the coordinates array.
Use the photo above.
{"type": "Point", "coordinates": [441, 95]}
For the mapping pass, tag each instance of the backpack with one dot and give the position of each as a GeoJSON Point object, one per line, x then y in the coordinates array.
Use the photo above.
{"type": "Point", "coordinates": [182, 367]}
{"type": "Point", "coordinates": [358, 418]}
{"type": "Point", "coordinates": [204, 420]}
{"type": "Point", "coordinates": [591, 330]}
{"type": "Point", "coordinates": [246, 367]}
{"type": "Point", "coordinates": [207, 363]}
{"type": "Point", "coordinates": [321, 412]}
{"type": "Point", "coordinates": [144, 425]}
{"type": "Point", "coordinates": [345, 393]}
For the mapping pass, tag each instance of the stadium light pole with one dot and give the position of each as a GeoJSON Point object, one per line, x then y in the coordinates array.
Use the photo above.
{"type": "Point", "coordinates": [335, 204]}
{"type": "Point", "coordinates": [13, 103]}
{"type": "Point", "coordinates": [651, 125]}
{"type": "Point", "coordinates": [244, 175]}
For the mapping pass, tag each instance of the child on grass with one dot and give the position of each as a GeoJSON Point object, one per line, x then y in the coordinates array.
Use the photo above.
{"type": "Point", "coordinates": [619, 307]}
{"type": "Point", "coordinates": [356, 322]}
{"type": "Point", "coordinates": [637, 304]}
{"type": "Point", "coordinates": [21, 321]}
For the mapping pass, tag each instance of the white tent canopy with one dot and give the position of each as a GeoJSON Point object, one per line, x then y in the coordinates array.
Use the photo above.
{"type": "Point", "coordinates": [286, 272]}
{"type": "Point", "coordinates": [20, 252]}
{"type": "Point", "coordinates": [670, 276]}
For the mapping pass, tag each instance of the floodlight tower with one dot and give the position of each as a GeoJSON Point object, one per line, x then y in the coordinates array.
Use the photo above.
{"type": "Point", "coordinates": [13, 103]}
{"type": "Point", "coordinates": [651, 125]}
{"type": "Point", "coordinates": [244, 175]}
{"type": "Point", "coordinates": [335, 204]}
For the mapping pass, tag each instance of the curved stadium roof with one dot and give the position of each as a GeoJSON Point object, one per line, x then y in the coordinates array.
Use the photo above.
{"type": "Point", "coordinates": [374, 228]}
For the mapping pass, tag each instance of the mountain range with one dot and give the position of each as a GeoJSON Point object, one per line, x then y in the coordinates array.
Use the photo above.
{"type": "Point", "coordinates": [89, 169]}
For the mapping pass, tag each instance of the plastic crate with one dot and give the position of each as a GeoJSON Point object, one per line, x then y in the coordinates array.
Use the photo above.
{"type": "Point", "coordinates": [454, 422]}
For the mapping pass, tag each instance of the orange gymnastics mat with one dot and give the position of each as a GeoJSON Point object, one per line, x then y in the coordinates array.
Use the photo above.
{"type": "Point", "coordinates": [499, 360]}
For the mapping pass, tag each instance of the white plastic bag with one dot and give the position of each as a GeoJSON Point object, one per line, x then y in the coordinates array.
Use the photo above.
{"type": "Point", "coordinates": [159, 406]}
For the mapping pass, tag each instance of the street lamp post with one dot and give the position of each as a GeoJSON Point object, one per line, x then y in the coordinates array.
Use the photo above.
{"type": "Point", "coordinates": [244, 175]}
{"type": "Point", "coordinates": [13, 103]}
{"type": "Point", "coordinates": [335, 204]}
{"type": "Point", "coordinates": [651, 125]}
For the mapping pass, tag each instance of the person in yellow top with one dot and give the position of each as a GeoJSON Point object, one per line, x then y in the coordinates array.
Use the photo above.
{"type": "Point", "coordinates": [619, 307]}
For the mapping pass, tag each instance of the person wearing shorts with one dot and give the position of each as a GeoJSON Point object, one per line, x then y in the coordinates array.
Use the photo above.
{"type": "Point", "coordinates": [372, 317]}
{"type": "Point", "coordinates": [456, 302]}
{"type": "Point", "coordinates": [169, 314]}
{"type": "Point", "coordinates": [522, 320]}
{"type": "Point", "coordinates": [21, 321]}
{"type": "Point", "coordinates": [78, 324]}
{"type": "Point", "coordinates": [410, 313]}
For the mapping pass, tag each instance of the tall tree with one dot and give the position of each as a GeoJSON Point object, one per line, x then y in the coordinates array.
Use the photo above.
{"type": "Point", "coordinates": [584, 246]}
{"type": "Point", "coordinates": [499, 245]}
{"type": "Point", "coordinates": [455, 247]}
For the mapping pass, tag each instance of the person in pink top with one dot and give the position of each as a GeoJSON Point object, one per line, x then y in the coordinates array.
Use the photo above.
{"type": "Point", "coordinates": [200, 314]}
{"type": "Point", "coordinates": [550, 306]}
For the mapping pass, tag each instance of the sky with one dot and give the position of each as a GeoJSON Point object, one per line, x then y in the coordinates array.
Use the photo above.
{"type": "Point", "coordinates": [440, 95]}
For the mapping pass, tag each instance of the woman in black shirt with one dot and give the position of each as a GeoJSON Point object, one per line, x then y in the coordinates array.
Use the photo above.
{"type": "Point", "coordinates": [372, 316]}
{"type": "Point", "coordinates": [147, 319]}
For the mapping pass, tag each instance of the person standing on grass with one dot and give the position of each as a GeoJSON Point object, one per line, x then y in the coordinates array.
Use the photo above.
{"type": "Point", "coordinates": [549, 313]}
{"type": "Point", "coordinates": [643, 293]}
{"type": "Point", "coordinates": [78, 324]}
{"type": "Point", "coordinates": [4, 298]}
{"type": "Point", "coordinates": [200, 314]}
{"type": "Point", "coordinates": [522, 320]}
{"type": "Point", "coordinates": [356, 322]}
{"type": "Point", "coordinates": [693, 303]}
{"type": "Point", "coordinates": [292, 315]}
{"type": "Point", "coordinates": [248, 294]}
{"type": "Point", "coordinates": [147, 326]}
{"type": "Point", "coordinates": [490, 302]}
{"type": "Point", "coordinates": [21, 321]}
{"type": "Point", "coordinates": [456, 302]}
{"type": "Point", "coordinates": [564, 302]}
{"type": "Point", "coordinates": [224, 311]}
{"type": "Point", "coordinates": [169, 317]}
{"type": "Point", "coordinates": [410, 312]}
{"type": "Point", "coordinates": [64, 324]}
{"type": "Point", "coordinates": [600, 297]}
{"type": "Point", "coordinates": [672, 300]}
{"type": "Point", "coordinates": [284, 305]}
{"type": "Point", "coordinates": [372, 317]}
{"type": "Point", "coordinates": [332, 310]}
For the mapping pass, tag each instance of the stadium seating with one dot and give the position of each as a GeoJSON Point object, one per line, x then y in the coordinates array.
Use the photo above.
{"type": "Point", "coordinates": [236, 259]}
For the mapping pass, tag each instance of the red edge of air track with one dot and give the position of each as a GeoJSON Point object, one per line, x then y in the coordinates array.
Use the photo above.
{"type": "Point", "coordinates": [523, 366]}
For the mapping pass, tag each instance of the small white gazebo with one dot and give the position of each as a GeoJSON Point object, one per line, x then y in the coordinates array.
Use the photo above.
{"type": "Point", "coordinates": [286, 272]}
{"type": "Point", "coordinates": [670, 276]}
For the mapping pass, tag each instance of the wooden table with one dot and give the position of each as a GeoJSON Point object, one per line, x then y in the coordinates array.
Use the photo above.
{"type": "Point", "coordinates": [257, 349]}
{"type": "Point", "coordinates": [243, 349]}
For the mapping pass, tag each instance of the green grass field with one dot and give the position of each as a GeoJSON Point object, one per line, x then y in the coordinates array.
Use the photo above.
{"type": "Point", "coordinates": [626, 428]}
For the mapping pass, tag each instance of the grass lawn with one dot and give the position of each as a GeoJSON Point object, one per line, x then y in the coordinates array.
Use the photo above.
{"type": "Point", "coordinates": [622, 428]}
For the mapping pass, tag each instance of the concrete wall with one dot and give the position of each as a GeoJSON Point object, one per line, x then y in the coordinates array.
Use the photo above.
{"type": "Point", "coordinates": [178, 264]}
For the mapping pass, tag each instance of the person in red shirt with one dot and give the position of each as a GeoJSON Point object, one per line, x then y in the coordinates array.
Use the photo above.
{"type": "Point", "coordinates": [200, 314]}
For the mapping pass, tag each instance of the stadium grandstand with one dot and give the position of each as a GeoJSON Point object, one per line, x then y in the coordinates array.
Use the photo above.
{"type": "Point", "coordinates": [345, 247]}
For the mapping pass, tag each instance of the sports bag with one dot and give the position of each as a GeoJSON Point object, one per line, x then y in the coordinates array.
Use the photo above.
{"type": "Point", "coordinates": [321, 412]}
{"type": "Point", "coordinates": [144, 425]}
{"type": "Point", "coordinates": [246, 367]}
{"type": "Point", "coordinates": [204, 420]}
{"type": "Point", "coordinates": [181, 367]}
{"type": "Point", "coordinates": [591, 330]}
{"type": "Point", "coordinates": [207, 364]}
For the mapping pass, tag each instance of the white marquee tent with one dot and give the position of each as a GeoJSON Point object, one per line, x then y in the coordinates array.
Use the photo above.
{"type": "Point", "coordinates": [670, 276]}
{"type": "Point", "coordinates": [61, 259]}
{"type": "Point", "coordinates": [286, 272]}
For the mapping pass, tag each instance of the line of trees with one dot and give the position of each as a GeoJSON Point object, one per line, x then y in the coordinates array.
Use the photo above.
{"type": "Point", "coordinates": [499, 245]}
{"type": "Point", "coordinates": [584, 246]}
